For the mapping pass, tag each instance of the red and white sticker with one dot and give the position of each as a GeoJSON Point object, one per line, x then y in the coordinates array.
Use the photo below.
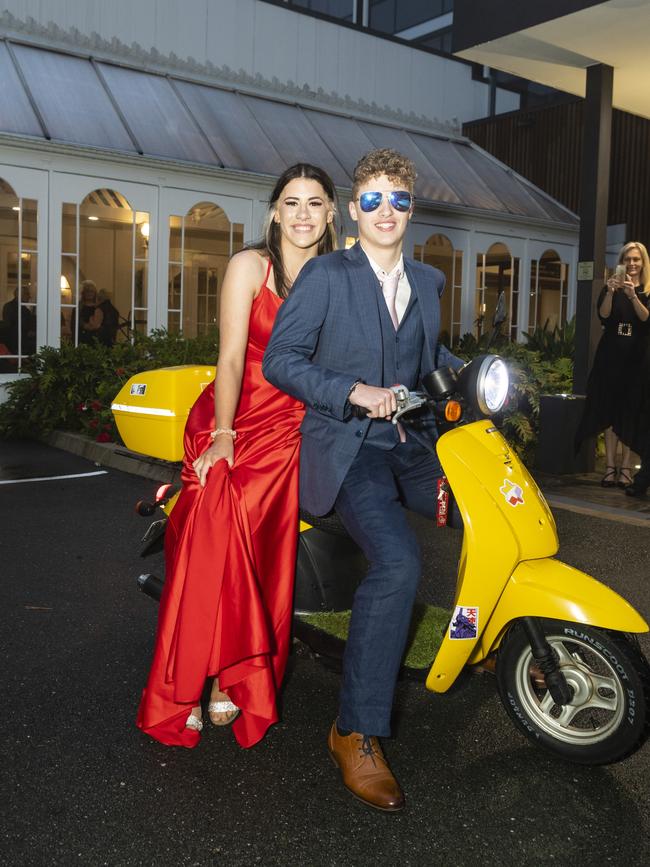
{"type": "Point", "coordinates": [513, 494]}
{"type": "Point", "coordinates": [442, 502]}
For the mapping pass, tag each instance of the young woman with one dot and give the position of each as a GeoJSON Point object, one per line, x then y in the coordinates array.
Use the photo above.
{"type": "Point", "coordinates": [617, 375]}
{"type": "Point", "coordinates": [231, 538]}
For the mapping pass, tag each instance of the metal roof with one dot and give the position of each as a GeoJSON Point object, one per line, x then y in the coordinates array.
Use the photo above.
{"type": "Point", "coordinates": [81, 101]}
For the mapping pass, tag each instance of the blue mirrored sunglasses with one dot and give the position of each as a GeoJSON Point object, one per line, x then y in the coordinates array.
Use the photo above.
{"type": "Point", "coordinates": [401, 200]}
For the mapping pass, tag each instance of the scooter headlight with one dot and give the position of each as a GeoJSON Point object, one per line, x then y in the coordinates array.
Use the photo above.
{"type": "Point", "coordinates": [484, 383]}
{"type": "Point", "coordinates": [492, 385]}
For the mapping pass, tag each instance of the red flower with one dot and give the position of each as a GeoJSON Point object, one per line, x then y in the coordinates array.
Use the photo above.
{"type": "Point", "coordinates": [81, 407]}
{"type": "Point", "coordinates": [103, 437]}
{"type": "Point", "coordinates": [120, 371]}
{"type": "Point", "coordinates": [96, 405]}
{"type": "Point", "coordinates": [93, 422]}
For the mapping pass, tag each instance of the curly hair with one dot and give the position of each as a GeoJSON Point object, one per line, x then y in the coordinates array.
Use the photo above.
{"type": "Point", "coordinates": [384, 161]}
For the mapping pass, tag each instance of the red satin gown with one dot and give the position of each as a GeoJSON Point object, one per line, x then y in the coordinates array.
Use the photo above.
{"type": "Point", "coordinates": [230, 552]}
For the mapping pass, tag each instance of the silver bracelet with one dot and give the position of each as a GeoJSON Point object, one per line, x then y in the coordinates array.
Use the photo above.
{"type": "Point", "coordinates": [223, 430]}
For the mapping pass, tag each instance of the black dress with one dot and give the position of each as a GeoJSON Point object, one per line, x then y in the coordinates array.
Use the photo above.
{"type": "Point", "coordinates": [618, 375]}
{"type": "Point", "coordinates": [86, 313]}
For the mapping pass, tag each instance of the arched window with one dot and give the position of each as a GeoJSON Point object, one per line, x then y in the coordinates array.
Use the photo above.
{"type": "Point", "coordinates": [497, 271]}
{"type": "Point", "coordinates": [18, 269]}
{"type": "Point", "coordinates": [549, 289]}
{"type": "Point", "coordinates": [439, 252]}
{"type": "Point", "coordinates": [104, 266]}
{"type": "Point", "coordinates": [200, 244]}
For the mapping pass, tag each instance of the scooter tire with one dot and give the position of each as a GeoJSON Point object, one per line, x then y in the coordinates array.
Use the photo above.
{"type": "Point", "coordinates": [607, 720]}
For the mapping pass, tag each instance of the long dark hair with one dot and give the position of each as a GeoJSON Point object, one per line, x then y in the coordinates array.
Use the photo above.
{"type": "Point", "coordinates": [270, 243]}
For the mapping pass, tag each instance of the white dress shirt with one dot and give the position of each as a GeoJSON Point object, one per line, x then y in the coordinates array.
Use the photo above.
{"type": "Point", "coordinates": [403, 287]}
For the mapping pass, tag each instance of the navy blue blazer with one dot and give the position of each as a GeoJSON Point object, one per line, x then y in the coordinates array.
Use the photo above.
{"type": "Point", "coordinates": [327, 335]}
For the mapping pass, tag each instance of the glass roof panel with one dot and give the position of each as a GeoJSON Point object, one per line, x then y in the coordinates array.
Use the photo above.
{"type": "Point", "coordinates": [159, 120]}
{"type": "Point", "coordinates": [508, 190]}
{"type": "Point", "coordinates": [294, 137]}
{"type": "Point", "coordinates": [211, 125]}
{"type": "Point", "coordinates": [343, 136]}
{"type": "Point", "coordinates": [430, 184]}
{"type": "Point", "coordinates": [235, 134]}
{"type": "Point", "coordinates": [71, 99]}
{"type": "Point", "coordinates": [446, 156]}
{"type": "Point", "coordinates": [16, 113]}
{"type": "Point", "coordinates": [550, 206]}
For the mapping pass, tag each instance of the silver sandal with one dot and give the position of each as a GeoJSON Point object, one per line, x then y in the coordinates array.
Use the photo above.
{"type": "Point", "coordinates": [223, 707]}
{"type": "Point", "coordinates": [193, 722]}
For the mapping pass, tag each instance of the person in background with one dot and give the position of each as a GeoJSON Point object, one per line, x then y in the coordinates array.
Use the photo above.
{"type": "Point", "coordinates": [90, 315]}
{"type": "Point", "coordinates": [110, 318]}
{"type": "Point", "coordinates": [230, 545]}
{"type": "Point", "coordinates": [27, 318]}
{"type": "Point", "coordinates": [612, 403]}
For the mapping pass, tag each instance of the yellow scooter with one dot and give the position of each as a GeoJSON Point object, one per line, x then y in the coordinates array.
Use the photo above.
{"type": "Point", "coordinates": [569, 670]}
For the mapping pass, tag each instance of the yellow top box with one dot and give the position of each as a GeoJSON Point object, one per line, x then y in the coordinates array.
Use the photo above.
{"type": "Point", "coordinates": [151, 409]}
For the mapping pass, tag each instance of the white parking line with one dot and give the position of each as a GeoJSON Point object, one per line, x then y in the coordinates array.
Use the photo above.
{"type": "Point", "coordinates": [52, 478]}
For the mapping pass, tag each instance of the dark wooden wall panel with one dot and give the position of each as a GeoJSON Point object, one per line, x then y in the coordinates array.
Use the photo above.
{"type": "Point", "coordinates": [545, 145]}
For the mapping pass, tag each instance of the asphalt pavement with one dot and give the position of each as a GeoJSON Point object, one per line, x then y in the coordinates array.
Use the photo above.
{"type": "Point", "coordinates": [81, 785]}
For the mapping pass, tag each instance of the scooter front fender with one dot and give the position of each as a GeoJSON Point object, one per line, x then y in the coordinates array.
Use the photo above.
{"type": "Point", "coordinates": [537, 588]}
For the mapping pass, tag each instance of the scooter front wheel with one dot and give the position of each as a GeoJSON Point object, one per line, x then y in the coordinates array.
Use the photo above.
{"type": "Point", "coordinates": [607, 718]}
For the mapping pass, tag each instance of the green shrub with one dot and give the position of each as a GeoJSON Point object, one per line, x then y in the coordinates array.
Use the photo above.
{"type": "Point", "coordinates": [72, 388]}
{"type": "Point", "coordinates": [539, 367]}
{"type": "Point", "coordinates": [555, 343]}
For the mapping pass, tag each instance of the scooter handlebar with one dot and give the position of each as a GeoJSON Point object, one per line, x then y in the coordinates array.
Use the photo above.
{"type": "Point", "coordinates": [406, 402]}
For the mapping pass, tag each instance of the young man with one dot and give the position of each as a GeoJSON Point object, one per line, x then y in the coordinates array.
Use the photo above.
{"type": "Point", "coordinates": [356, 322]}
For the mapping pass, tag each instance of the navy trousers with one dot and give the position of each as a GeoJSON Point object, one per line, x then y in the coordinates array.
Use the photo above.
{"type": "Point", "coordinates": [378, 488]}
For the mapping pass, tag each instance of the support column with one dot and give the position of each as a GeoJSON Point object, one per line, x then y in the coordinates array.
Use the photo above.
{"type": "Point", "coordinates": [563, 413]}
{"type": "Point", "coordinates": [594, 199]}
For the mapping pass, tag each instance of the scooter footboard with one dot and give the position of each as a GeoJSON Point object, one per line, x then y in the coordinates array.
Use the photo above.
{"type": "Point", "coordinates": [550, 588]}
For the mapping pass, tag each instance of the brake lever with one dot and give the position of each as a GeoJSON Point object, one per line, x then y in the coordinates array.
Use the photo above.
{"type": "Point", "coordinates": [407, 401]}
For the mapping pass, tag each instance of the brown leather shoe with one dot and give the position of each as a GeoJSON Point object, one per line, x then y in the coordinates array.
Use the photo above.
{"type": "Point", "coordinates": [365, 771]}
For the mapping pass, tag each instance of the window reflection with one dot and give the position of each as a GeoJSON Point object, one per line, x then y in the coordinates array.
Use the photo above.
{"type": "Point", "coordinates": [18, 278]}
{"type": "Point", "coordinates": [497, 271]}
{"type": "Point", "coordinates": [439, 252]}
{"type": "Point", "coordinates": [200, 245]}
{"type": "Point", "coordinates": [104, 269]}
{"type": "Point", "coordinates": [343, 9]}
{"type": "Point", "coordinates": [391, 16]}
{"type": "Point", "coordinates": [549, 279]}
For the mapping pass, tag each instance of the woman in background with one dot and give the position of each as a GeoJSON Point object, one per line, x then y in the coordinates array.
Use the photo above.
{"type": "Point", "coordinates": [231, 538]}
{"type": "Point", "coordinates": [90, 315]}
{"type": "Point", "coordinates": [613, 386]}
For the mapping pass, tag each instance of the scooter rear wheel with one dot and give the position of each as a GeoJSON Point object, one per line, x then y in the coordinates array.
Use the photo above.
{"type": "Point", "coordinates": [607, 718]}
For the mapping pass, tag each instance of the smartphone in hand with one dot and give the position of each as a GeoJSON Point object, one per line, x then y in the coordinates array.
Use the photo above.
{"type": "Point", "coordinates": [620, 274]}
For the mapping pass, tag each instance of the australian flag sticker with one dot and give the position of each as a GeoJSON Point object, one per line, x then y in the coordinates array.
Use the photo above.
{"type": "Point", "coordinates": [464, 623]}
